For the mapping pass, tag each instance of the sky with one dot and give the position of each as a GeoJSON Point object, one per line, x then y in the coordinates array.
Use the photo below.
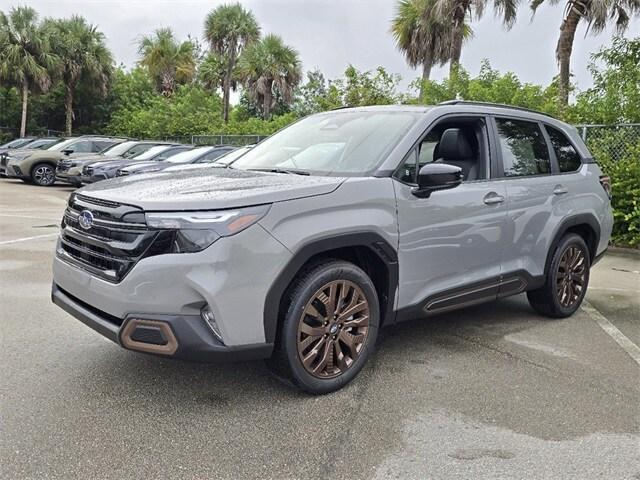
{"type": "Point", "coordinates": [330, 34]}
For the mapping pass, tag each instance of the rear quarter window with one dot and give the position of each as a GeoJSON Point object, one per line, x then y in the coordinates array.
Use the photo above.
{"type": "Point", "coordinates": [568, 158]}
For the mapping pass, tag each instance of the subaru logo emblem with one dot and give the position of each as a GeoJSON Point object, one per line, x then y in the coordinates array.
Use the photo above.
{"type": "Point", "coordinates": [85, 219]}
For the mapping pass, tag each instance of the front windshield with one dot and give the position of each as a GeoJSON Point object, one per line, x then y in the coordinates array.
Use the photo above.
{"type": "Point", "coordinates": [340, 142]}
{"type": "Point", "coordinates": [118, 149]}
{"type": "Point", "coordinates": [152, 152]}
{"type": "Point", "coordinates": [58, 147]}
{"type": "Point", "coordinates": [187, 157]}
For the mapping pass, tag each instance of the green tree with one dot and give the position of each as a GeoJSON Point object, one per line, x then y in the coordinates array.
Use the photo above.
{"type": "Point", "coordinates": [423, 36]}
{"type": "Point", "coordinates": [596, 14]}
{"type": "Point", "coordinates": [170, 63]}
{"type": "Point", "coordinates": [229, 29]}
{"type": "Point", "coordinates": [25, 56]}
{"type": "Point", "coordinates": [615, 95]}
{"type": "Point", "coordinates": [82, 56]}
{"type": "Point", "coordinates": [458, 11]}
{"type": "Point", "coordinates": [270, 70]}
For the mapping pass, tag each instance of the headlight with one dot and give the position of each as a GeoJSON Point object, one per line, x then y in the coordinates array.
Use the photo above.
{"type": "Point", "coordinates": [195, 231]}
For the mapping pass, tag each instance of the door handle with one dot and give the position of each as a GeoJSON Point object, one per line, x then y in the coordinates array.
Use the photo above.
{"type": "Point", "coordinates": [492, 198]}
{"type": "Point", "coordinates": [560, 190]}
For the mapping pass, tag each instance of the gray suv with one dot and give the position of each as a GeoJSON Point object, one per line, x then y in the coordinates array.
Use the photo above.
{"type": "Point", "coordinates": [338, 225]}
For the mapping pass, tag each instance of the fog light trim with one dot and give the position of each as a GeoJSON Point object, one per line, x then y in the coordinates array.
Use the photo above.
{"type": "Point", "coordinates": [168, 348]}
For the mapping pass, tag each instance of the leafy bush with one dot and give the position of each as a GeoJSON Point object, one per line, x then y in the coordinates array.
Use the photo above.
{"type": "Point", "coordinates": [619, 157]}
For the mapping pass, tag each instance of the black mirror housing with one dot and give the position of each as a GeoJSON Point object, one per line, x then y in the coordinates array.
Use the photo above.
{"type": "Point", "coordinates": [67, 152]}
{"type": "Point", "coordinates": [437, 176]}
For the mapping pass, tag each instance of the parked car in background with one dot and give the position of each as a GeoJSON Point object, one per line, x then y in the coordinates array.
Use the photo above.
{"type": "Point", "coordinates": [39, 166]}
{"type": "Point", "coordinates": [98, 171]}
{"type": "Point", "coordinates": [70, 170]}
{"type": "Point", "coordinates": [195, 156]}
{"type": "Point", "coordinates": [33, 144]}
{"type": "Point", "coordinates": [16, 143]}
{"type": "Point", "coordinates": [223, 161]}
{"type": "Point", "coordinates": [338, 225]}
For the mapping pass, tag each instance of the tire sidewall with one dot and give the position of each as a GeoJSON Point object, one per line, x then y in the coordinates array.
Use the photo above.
{"type": "Point", "coordinates": [570, 240]}
{"type": "Point", "coordinates": [311, 284]}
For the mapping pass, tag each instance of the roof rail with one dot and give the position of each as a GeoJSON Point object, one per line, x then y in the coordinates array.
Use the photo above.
{"type": "Point", "coordinates": [497, 105]}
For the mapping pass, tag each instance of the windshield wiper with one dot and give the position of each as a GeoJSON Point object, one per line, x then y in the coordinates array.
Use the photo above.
{"type": "Point", "coordinates": [279, 170]}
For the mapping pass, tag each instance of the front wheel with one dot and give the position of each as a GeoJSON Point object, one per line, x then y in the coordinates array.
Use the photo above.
{"type": "Point", "coordinates": [43, 174]}
{"type": "Point", "coordinates": [566, 281]}
{"type": "Point", "coordinates": [329, 329]}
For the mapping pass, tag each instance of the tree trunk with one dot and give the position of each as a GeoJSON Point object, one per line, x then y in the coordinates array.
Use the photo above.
{"type": "Point", "coordinates": [457, 36]}
{"type": "Point", "coordinates": [68, 109]}
{"type": "Point", "coordinates": [25, 99]}
{"type": "Point", "coordinates": [426, 73]}
{"type": "Point", "coordinates": [226, 87]}
{"type": "Point", "coordinates": [266, 105]}
{"type": "Point", "coordinates": [563, 53]}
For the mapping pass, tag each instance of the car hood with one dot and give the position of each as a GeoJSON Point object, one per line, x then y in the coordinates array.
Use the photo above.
{"type": "Point", "coordinates": [215, 188]}
{"type": "Point", "coordinates": [144, 166]}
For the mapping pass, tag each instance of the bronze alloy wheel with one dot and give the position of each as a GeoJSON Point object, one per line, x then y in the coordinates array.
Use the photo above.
{"type": "Point", "coordinates": [44, 175]}
{"type": "Point", "coordinates": [333, 329]}
{"type": "Point", "coordinates": [571, 278]}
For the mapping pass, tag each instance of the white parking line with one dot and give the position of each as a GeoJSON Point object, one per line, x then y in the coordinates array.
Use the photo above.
{"type": "Point", "coordinates": [25, 239]}
{"type": "Point", "coordinates": [610, 329]}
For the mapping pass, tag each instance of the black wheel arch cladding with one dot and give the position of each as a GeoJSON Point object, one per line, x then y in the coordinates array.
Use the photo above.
{"type": "Point", "coordinates": [372, 241]}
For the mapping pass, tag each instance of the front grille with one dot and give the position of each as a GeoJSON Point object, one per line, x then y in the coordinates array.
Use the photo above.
{"type": "Point", "coordinates": [63, 165]}
{"type": "Point", "coordinates": [116, 240]}
{"type": "Point", "coordinates": [4, 159]}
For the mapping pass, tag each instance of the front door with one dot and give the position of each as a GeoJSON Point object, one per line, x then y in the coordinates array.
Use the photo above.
{"type": "Point", "coordinates": [450, 244]}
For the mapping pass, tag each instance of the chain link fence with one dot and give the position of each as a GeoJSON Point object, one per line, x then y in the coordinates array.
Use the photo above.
{"type": "Point", "coordinates": [235, 140]}
{"type": "Point", "coordinates": [614, 142]}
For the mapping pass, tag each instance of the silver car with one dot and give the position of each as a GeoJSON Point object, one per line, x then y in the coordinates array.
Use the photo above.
{"type": "Point", "coordinates": [338, 225]}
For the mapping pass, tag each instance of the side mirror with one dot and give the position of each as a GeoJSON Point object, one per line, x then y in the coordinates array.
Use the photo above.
{"type": "Point", "coordinates": [437, 176]}
{"type": "Point", "coordinates": [67, 152]}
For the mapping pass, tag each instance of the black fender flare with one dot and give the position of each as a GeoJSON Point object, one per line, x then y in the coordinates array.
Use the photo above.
{"type": "Point", "coordinates": [367, 239]}
{"type": "Point", "coordinates": [579, 219]}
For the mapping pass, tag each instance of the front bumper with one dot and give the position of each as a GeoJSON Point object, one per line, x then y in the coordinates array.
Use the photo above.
{"type": "Point", "coordinates": [232, 277]}
{"type": "Point", "coordinates": [14, 171]}
{"type": "Point", "coordinates": [75, 180]}
{"type": "Point", "coordinates": [187, 337]}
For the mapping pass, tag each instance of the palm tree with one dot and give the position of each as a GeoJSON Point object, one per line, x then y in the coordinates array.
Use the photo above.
{"type": "Point", "coordinates": [457, 12]}
{"type": "Point", "coordinates": [596, 14]}
{"type": "Point", "coordinates": [270, 70]}
{"type": "Point", "coordinates": [229, 29]}
{"type": "Point", "coordinates": [25, 56]}
{"type": "Point", "coordinates": [169, 62]}
{"type": "Point", "coordinates": [82, 55]}
{"type": "Point", "coordinates": [423, 37]}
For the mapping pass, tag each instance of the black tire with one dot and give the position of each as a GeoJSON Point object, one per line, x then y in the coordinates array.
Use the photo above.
{"type": "Point", "coordinates": [27, 180]}
{"type": "Point", "coordinates": [287, 363]}
{"type": "Point", "coordinates": [550, 299]}
{"type": "Point", "coordinates": [43, 175]}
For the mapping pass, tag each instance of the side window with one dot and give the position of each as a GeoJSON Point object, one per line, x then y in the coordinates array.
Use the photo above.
{"type": "Point", "coordinates": [427, 148]}
{"type": "Point", "coordinates": [568, 158]}
{"type": "Point", "coordinates": [83, 146]}
{"type": "Point", "coordinates": [407, 172]}
{"type": "Point", "coordinates": [524, 150]}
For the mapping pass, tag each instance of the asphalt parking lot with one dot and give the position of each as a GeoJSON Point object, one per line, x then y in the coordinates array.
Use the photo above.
{"type": "Point", "coordinates": [493, 391]}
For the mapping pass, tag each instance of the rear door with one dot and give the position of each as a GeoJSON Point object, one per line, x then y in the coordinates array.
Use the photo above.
{"type": "Point", "coordinates": [527, 166]}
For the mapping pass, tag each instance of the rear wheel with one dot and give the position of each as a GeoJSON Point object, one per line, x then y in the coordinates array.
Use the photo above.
{"type": "Point", "coordinates": [43, 174]}
{"type": "Point", "coordinates": [329, 329]}
{"type": "Point", "coordinates": [567, 279]}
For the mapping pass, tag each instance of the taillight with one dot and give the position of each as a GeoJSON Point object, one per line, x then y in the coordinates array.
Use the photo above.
{"type": "Point", "coordinates": [605, 181]}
